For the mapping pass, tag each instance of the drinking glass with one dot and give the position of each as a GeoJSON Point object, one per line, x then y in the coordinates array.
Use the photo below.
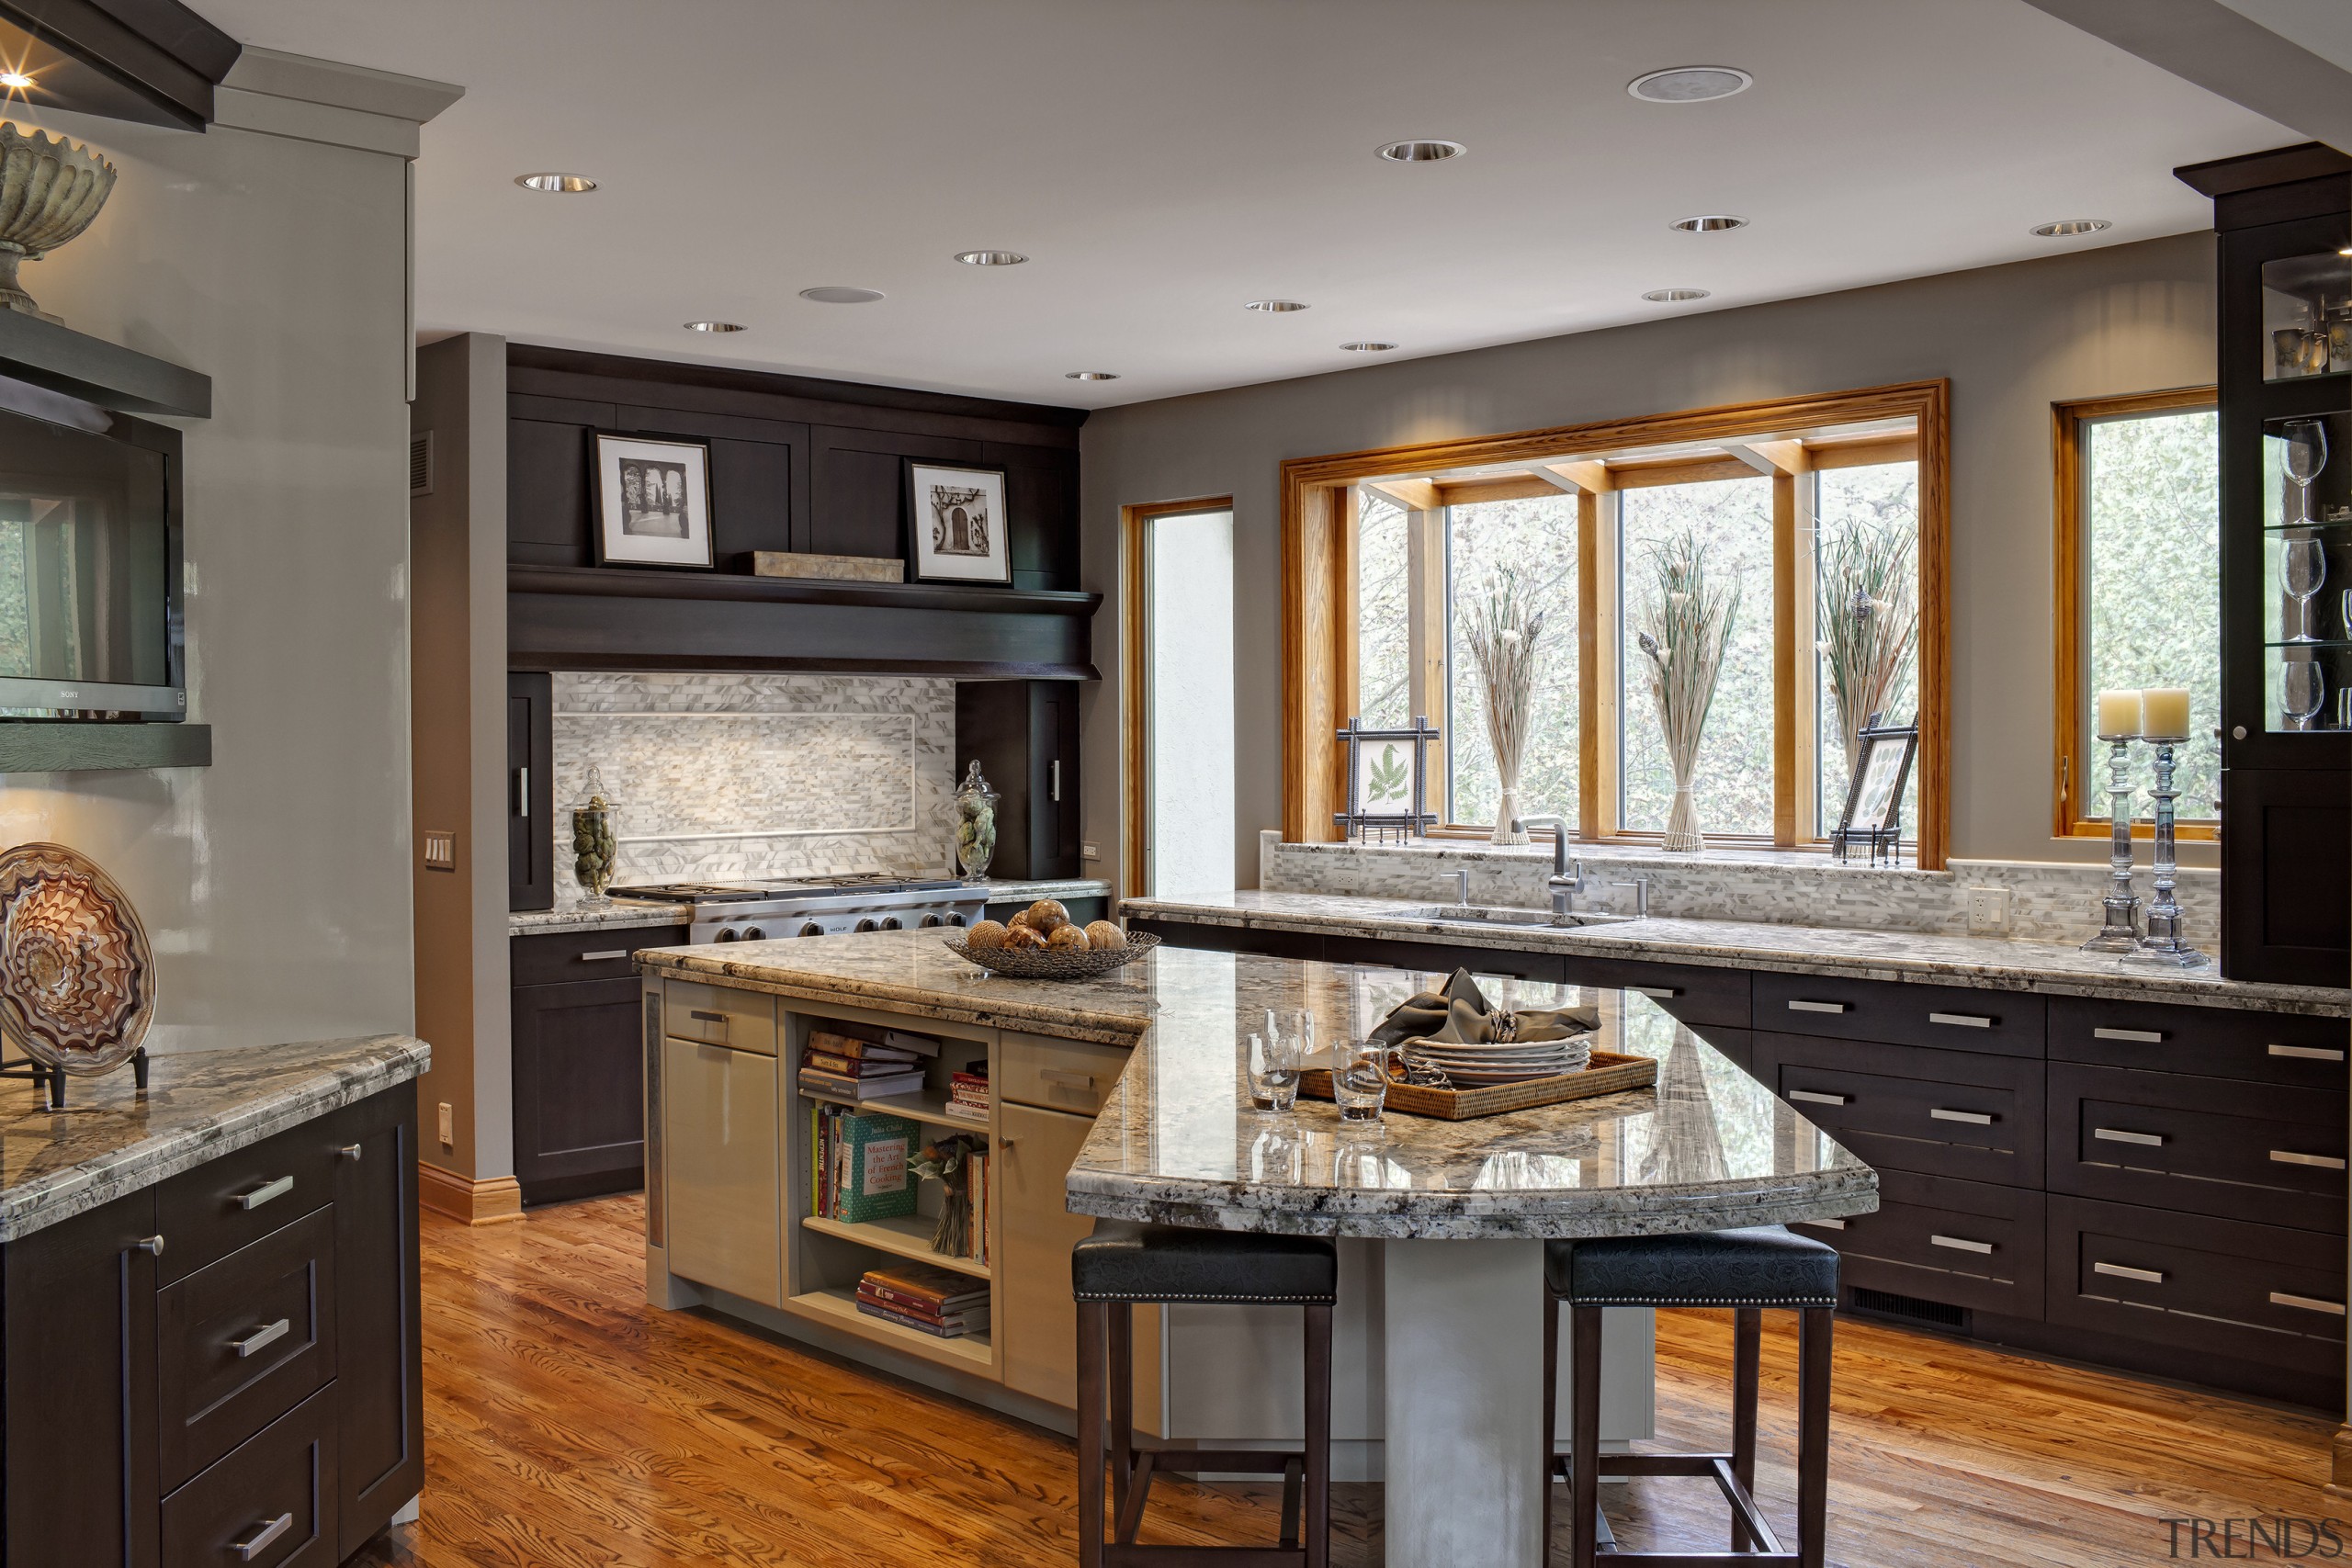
{"type": "Point", "coordinates": [2302, 691]}
{"type": "Point", "coordinates": [1273, 1072]}
{"type": "Point", "coordinates": [2302, 567]}
{"type": "Point", "coordinates": [2302, 452]}
{"type": "Point", "coordinates": [1360, 1079]}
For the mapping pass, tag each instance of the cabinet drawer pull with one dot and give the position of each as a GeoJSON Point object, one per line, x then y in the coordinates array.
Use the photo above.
{"type": "Point", "coordinates": [2309, 1053]}
{"type": "Point", "coordinates": [700, 1016]}
{"type": "Point", "coordinates": [1974, 1118]}
{"type": "Point", "coordinates": [1812, 1097]}
{"type": "Point", "coordinates": [351, 1151]}
{"type": "Point", "coordinates": [606, 953]}
{"type": "Point", "coordinates": [261, 1339]}
{"type": "Point", "coordinates": [2118, 1135]}
{"type": "Point", "coordinates": [152, 1246]}
{"type": "Point", "coordinates": [2137, 1036]}
{"type": "Point", "coordinates": [266, 1192]}
{"type": "Point", "coordinates": [1961, 1020]}
{"type": "Point", "coordinates": [2322, 1162]}
{"type": "Point", "coordinates": [1817, 1007]}
{"type": "Point", "coordinates": [2125, 1271]}
{"type": "Point", "coordinates": [2306, 1304]}
{"type": "Point", "coordinates": [253, 1545]}
{"type": "Point", "coordinates": [1961, 1243]}
{"type": "Point", "coordinates": [1657, 993]}
{"type": "Point", "coordinates": [1824, 1224]}
{"type": "Point", "coordinates": [1065, 1077]}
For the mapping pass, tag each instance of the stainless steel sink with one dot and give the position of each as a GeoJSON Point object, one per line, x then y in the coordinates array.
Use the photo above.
{"type": "Point", "coordinates": [1503, 915]}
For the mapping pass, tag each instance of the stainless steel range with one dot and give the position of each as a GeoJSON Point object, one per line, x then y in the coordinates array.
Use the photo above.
{"type": "Point", "coordinates": [818, 906]}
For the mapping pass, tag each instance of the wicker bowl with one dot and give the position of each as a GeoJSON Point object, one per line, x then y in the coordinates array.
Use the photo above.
{"type": "Point", "coordinates": [1054, 963]}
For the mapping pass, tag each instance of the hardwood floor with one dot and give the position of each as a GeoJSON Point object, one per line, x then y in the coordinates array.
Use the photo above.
{"type": "Point", "coordinates": [569, 1423]}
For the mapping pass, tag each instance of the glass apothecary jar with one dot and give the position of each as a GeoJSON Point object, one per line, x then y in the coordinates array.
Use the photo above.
{"type": "Point", "coordinates": [596, 841]}
{"type": "Point", "coordinates": [975, 823]}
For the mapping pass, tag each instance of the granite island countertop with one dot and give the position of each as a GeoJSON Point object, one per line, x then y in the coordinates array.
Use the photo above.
{"type": "Point", "coordinates": [1986, 963]}
{"type": "Point", "coordinates": [114, 1138]}
{"type": "Point", "coordinates": [1708, 1147]}
{"type": "Point", "coordinates": [633, 914]}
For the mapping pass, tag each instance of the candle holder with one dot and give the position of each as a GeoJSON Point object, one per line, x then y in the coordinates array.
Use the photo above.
{"type": "Point", "coordinates": [2162, 947]}
{"type": "Point", "coordinates": [2121, 931]}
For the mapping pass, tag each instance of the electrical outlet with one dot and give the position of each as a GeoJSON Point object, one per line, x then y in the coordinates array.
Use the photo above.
{"type": "Point", "coordinates": [1091, 851]}
{"type": "Point", "coordinates": [449, 1127]}
{"type": "Point", "coordinates": [1989, 911]}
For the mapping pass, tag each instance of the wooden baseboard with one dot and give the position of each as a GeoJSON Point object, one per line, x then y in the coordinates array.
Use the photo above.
{"type": "Point", "coordinates": [493, 1201]}
{"type": "Point", "coordinates": [2339, 1468]}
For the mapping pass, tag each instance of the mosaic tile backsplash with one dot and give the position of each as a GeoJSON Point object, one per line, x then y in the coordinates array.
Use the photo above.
{"type": "Point", "coordinates": [735, 777]}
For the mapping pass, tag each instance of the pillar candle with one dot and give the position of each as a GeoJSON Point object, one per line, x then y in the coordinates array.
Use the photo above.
{"type": "Point", "coordinates": [2119, 713]}
{"type": "Point", "coordinates": [2164, 712]}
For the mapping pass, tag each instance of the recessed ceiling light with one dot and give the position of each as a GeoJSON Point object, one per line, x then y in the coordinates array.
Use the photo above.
{"type": "Point", "coordinates": [1367, 347]}
{"type": "Point", "coordinates": [714, 326]}
{"type": "Point", "coordinates": [16, 81]}
{"type": "Point", "coordinates": [841, 294]}
{"type": "Point", "coordinates": [1674, 296]}
{"type": "Point", "coordinates": [990, 259]}
{"type": "Point", "coordinates": [1689, 83]}
{"type": "Point", "coordinates": [2067, 228]}
{"type": "Point", "coordinates": [555, 184]}
{"type": "Point", "coordinates": [1275, 307]}
{"type": "Point", "coordinates": [1420, 151]}
{"type": "Point", "coordinates": [1708, 223]}
{"type": "Point", "coordinates": [1089, 374]}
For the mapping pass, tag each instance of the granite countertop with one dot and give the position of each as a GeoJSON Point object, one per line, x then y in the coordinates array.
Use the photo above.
{"type": "Point", "coordinates": [1986, 963]}
{"type": "Point", "coordinates": [114, 1138]}
{"type": "Point", "coordinates": [632, 914]}
{"type": "Point", "coordinates": [1709, 1147]}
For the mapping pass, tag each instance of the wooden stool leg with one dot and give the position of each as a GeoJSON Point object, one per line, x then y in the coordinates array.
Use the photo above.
{"type": "Point", "coordinates": [1746, 1356]}
{"type": "Point", "coordinates": [1091, 1325]}
{"type": "Point", "coordinates": [1584, 1459]}
{"type": "Point", "coordinates": [1119, 1319]}
{"type": "Point", "coordinates": [1551, 1409]}
{"type": "Point", "coordinates": [1812, 1433]}
{"type": "Point", "coordinates": [1319, 1437]}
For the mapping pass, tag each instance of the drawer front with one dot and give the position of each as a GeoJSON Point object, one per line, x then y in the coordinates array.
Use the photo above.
{"type": "Point", "coordinates": [1935, 1113]}
{"type": "Point", "coordinates": [714, 1015]}
{"type": "Point", "coordinates": [2215, 1042]}
{"type": "Point", "coordinates": [2263, 1152]}
{"type": "Point", "coordinates": [2221, 1287]}
{"type": "Point", "coordinates": [1737, 1043]}
{"type": "Point", "coordinates": [1057, 1075]}
{"type": "Point", "coordinates": [243, 1341]}
{"type": "Point", "coordinates": [554, 957]}
{"type": "Point", "coordinates": [1693, 993]}
{"type": "Point", "coordinates": [269, 1504]}
{"type": "Point", "coordinates": [1443, 958]}
{"type": "Point", "coordinates": [1950, 1018]}
{"type": "Point", "coordinates": [1967, 1244]}
{"type": "Point", "coordinates": [209, 1212]}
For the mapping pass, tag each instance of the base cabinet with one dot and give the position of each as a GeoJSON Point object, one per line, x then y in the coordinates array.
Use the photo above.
{"type": "Point", "coordinates": [724, 1193]}
{"type": "Point", "coordinates": [579, 1061]}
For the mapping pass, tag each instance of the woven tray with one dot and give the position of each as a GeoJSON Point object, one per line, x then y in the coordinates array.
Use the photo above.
{"type": "Point", "coordinates": [1608, 1073]}
{"type": "Point", "coordinates": [1052, 963]}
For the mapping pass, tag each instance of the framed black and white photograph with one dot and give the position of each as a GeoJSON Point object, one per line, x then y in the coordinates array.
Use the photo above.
{"type": "Point", "coordinates": [956, 524]}
{"type": "Point", "coordinates": [652, 502]}
{"type": "Point", "coordinates": [1873, 813]}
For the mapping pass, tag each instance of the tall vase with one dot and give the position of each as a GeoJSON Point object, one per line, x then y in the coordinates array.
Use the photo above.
{"type": "Point", "coordinates": [1682, 835]}
{"type": "Point", "coordinates": [1507, 825]}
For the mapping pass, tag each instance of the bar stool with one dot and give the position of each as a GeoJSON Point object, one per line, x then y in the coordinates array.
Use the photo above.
{"type": "Point", "coordinates": [1123, 1264]}
{"type": "Point", "coordinates": [1747, 1270]}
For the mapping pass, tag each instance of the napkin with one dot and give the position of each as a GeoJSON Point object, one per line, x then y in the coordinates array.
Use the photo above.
{"type": "Point", "coordinates": [1460, 1013]}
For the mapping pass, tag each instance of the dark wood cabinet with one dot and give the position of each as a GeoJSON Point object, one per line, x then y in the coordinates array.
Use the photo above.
{"type": "Point", "coordinates": [531, 790]}
{"type": "Point", "coordinates": [1024, 736]}
{"type": "Point", "coordinates": [579, 1062]}
{"type": "Point", "coordinates": [379, 1391]}
{"type": "Point", "coordinates": [2287, 875]}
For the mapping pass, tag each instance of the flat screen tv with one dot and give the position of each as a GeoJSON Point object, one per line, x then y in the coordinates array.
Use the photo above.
{"type": "Point", "coordinates": [90, 622]}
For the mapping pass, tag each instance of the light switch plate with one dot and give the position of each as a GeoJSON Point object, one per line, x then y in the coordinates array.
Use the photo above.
{"type": "Point", "coordinates": [448, 1125]}
{"type": "Point", "coordinates": [1989, 911]}
{"type": "Point", "coordinates": [440, 850]}
{"type": "Point", "coordinates": [1091, 852]}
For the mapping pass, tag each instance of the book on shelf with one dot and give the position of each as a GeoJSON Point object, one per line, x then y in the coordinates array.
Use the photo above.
{"type": "Point", "coordinates": [906, 1039]}
{"type": "Point", "coordinates": [920, 1289]}
{"type": "Point", "coordinates": [847, 1087]}
{"type": "Point", "coordinates": [856, 1047]}
{"type": "Point", "coordinates": [859, 1165]}
{"type": "Point", "coordinates": [858, 1067]}
{"type": "Point", "coordinates": [942, 1328]}
{"type": "Point", "coordinates": [968, 1092]}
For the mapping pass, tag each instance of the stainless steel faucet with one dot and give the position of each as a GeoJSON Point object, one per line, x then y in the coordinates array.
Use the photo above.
{"type": "Point", "coordinates": [1461, 888]}
{"type": "Point", "coordinates": [1565, 884]}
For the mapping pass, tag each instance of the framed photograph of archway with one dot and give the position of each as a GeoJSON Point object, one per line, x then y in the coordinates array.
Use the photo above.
{"type": "Point", "coordinates": [956, 527]}
{"type": "Point", "coordinates": [652, 502]}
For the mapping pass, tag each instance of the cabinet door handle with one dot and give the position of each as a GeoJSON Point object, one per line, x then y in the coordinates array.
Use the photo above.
{"type": "Point", "coordinates": [256, 1543]}
{"type": "Point", "coordinates": [2125, 1271]}
{"type": "Point", "coordinates": [1053, 774]}
{"type": "Point", "coordinates": [1961, 1020]}
{"type": "Point", "coordinates": [1824, 1224]}
{"type": "Point", "coordinates": [706, 1016]}
{"type": "Point", "coordinates": [2306, 1304]}
{"type": "Point", "coordinates": [1813, 1096]}
{"type": "Point", "coordinates": [351, 1151]}
{"type": "Point", "coordinates": [1065, 1077]}
{"type": "Point", "coordinates": [1657, 993]}
{"type": "Point", "coordinates": [1817, 1007]}
{"type": "Point", "coordinates": [606, 955]}
{"type": "Point", "coordinates": [266, 1192]}
{"type": "Point", "coordinates": [1974, 1118]}
{"type": "Point", "coordinates": [2118, 1135]}
{"type": "Point", "coordinates": [261, 1339]}
{"type": "Point", "coordinates": [152, 1246]}
{"type": "Point", "coordinates": [2308, 1052]}
{"type": "Point", "coordinates": [1961, 1243]}
{"type": "Point", "coordinates": [2137, 1036]}
{"type": "Point", "coordinates": [522, 792]}
{"type": "Point", "coordinates": [2322, 1162]}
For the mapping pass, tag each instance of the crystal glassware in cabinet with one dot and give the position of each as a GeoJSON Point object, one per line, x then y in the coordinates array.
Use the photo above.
{"type": "Point", "coordinates": [2307, 315]}
{"type": "Point", "coordinates": [2307, 541]}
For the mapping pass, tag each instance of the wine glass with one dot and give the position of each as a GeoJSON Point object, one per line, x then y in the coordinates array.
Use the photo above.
{"type": "Point", "coordinates": [2302, 691]}
{"type": "Point", "coordinates": [2302, 452]}
{"type": "Point", "coordinates": [2302, 567]}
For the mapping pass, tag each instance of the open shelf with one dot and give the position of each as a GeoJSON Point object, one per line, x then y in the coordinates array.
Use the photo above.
{"type": "Point", "coordinates": [909, 1238]}
{"type": "Point", "coordinates": [840, 1306]}
{"type": "Point", "coordinates": [929, 1107]}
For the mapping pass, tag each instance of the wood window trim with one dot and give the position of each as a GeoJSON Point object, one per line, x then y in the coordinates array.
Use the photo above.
{"type": "Point", "coordinates": [2075, 773]}
{"type": "Point", "coordinates": [1317, 574]}
{"type": "Point", "coordinates": [1135, 679]}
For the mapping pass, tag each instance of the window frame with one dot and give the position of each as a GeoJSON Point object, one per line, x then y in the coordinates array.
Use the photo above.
{"type": "Point", "coordinates": [1134, 676]}
{"type": "Point", "coordinates": [2073, 770]}
{"type": "Point", "coordinates": [1320, 583]}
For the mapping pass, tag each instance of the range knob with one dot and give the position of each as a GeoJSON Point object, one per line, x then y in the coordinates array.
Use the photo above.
{"type": "Point", "coordinates": [812, 928]}
{"type": "Point", "coordinates": [930, 920]}
{"type": "Point", "coordinates": [955, 917]}
{"type": "Point", "coordinates": [890, 922]}
{"type": "Point", "coordinates": [868, 925]}
{"type": "Point", "coordinates": [726, 933]}
{"type": "Point", "coordinates": [754, 934]}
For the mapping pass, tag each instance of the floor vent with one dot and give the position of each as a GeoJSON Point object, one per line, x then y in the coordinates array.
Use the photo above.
{"type": "Point", "coordinates": [1910, 1308]}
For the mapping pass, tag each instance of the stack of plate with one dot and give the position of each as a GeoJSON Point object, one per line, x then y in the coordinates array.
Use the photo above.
{"type": "Point", "coordinates": [1469, 1065]}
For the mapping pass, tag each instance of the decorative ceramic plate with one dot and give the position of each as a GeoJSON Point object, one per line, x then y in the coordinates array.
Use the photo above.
{"type": "Point", "coordinates": [77, 981]}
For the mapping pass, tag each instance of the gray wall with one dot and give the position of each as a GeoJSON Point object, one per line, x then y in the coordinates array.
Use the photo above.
{"type": "Point", "coordinates": [2012, 340]}
{"type": "Point", "coordinates": [273, 884]}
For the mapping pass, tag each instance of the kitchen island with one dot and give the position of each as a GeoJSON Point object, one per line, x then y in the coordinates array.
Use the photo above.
{"type": "Point", "coordinates": [1123, 1096]}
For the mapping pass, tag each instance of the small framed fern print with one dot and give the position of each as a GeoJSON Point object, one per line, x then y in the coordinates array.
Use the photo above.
{"type": "Point", "coordinates": [1387, 781]}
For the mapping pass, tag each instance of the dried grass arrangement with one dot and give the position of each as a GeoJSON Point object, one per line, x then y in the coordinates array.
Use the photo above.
{"type": "Point", "coordinates": [1693, 620]}
{"type": "Point", "coordinates": [1870, 625]}
{"type": "Point", "coordinates": [1504, 630]}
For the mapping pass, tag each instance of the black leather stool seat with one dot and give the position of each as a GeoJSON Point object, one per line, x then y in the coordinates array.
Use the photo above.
{"type": "Point", "coordinates": [1765, 1266]}
{"type": "Point", "coordinates": [1123, 1261]}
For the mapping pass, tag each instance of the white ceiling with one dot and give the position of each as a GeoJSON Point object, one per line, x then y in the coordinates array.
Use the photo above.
{"type": "Point", "coordinates": [1164, 161]}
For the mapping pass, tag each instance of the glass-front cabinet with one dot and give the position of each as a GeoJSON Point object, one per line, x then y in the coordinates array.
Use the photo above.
{"type": "Point", "coordinates": [2307, 560]}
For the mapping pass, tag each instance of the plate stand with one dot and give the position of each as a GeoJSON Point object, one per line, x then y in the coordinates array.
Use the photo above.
{"type": "Point", "coordinates": [52, 1079]}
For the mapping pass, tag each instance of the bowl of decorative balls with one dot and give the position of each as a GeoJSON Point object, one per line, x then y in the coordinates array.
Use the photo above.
{"type": "Point", "coordinates": [1043, 942]}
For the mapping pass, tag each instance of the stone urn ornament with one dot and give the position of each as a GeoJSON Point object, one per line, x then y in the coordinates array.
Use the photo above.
{"type": "Point", "coordinates": [49, 192]}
